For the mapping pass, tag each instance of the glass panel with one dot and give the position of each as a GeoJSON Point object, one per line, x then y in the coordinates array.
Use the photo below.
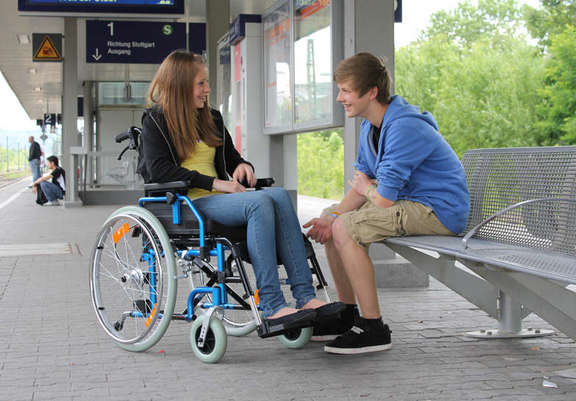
{"type": "Point", "coordinates": [278, 96]}
{"type": "Point", "coordinates": [117, 93]}
{"type": "Point", "coordinates": [313, 62]}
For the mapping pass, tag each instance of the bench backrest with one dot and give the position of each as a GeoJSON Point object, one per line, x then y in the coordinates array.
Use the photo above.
{"type": "Point", "coordinates": [498, 178]}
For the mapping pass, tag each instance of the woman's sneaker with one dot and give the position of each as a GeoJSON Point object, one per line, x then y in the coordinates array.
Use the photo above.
{"type": "Point", "coordinates": [367, 335]}
{"type": "Point", "coordinates": [329, 328]}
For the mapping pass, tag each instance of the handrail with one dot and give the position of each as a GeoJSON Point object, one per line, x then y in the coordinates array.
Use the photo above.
{"type": "Point", "coordinates": [507, 209]}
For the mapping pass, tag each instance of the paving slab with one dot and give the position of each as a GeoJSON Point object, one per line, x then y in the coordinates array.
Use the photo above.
{"type": "Point", "coordinates": [52, 347]}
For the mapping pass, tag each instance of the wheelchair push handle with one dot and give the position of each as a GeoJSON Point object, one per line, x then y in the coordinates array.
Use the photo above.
{"type": "Point", "coordinates": [132, 134]}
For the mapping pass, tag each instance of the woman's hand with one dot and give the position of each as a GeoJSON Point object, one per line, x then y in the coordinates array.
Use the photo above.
{"type": "Point", "coordinates": [360, 183]}
{"type": "Point", "coordinates": [321, 230]}
{"type": "Point", "coordinates": [227, 186]}
{"type": "Point", "coordinates": [244, 173]}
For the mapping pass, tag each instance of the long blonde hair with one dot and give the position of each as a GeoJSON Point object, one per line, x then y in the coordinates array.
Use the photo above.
{"type": "Point", "coordinates": [172, 89]}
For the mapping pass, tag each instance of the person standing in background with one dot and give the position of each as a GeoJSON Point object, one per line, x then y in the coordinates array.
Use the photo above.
{"type": "Point", "coordinates": [34, 158]}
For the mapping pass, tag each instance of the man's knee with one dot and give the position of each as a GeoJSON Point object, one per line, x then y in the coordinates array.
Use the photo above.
{"type": "Point", "coordinates": [340, 234]}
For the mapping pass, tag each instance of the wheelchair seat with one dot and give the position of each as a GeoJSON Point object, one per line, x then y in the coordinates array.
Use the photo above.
{"type": "Point", "coordinates": [189, 224]}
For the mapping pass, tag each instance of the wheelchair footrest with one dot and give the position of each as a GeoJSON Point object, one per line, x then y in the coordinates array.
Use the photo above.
{"type": "Point", "coordinates": [266, 329]}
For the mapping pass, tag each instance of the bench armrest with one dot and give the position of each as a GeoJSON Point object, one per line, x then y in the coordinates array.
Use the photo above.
{"type": "Point", "coordinates": [475, 229]}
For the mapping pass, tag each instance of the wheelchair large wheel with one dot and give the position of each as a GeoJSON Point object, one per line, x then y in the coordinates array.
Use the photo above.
{"type": "Point", "coordinates": [132, 278]}
{"type": "Point", "coordinates": [215, 343]}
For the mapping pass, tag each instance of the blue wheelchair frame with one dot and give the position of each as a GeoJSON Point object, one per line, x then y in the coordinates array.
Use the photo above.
{"type": "Point", "coordinates": [218, 292]}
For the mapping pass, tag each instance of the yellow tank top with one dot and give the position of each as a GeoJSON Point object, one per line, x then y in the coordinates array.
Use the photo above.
{"type": "Point", "coordinates": [202, 160]}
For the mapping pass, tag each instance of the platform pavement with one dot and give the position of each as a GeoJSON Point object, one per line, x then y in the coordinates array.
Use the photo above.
{"type": "Point", "coordinates": [51, 347]}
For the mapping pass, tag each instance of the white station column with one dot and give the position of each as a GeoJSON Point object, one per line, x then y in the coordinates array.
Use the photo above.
{"type": "Point", "coordinates": [70, 108]}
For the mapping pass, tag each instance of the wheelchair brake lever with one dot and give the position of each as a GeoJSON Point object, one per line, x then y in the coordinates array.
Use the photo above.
{"type": "Point", "coordinates": [171, 198]}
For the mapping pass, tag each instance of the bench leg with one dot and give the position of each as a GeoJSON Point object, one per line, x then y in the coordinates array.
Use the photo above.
{"type": "Point", "coordinates": [509, 322]}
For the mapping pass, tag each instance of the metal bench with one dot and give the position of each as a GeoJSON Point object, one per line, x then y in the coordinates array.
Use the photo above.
{"type": "Point", "coordinates": [519, 252]}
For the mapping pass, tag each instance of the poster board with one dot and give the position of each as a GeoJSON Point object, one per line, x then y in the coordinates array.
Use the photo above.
{"type": "Point", "coordinates": [303, 42]}
{"type": "Point", "coordinates": [277, 24]}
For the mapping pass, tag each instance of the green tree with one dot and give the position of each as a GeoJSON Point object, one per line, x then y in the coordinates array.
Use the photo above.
{"type": "Point", "coordinates": [550, 19]}
{"type": "Point", "coordinates": [469, 23]}
{"type": "Point", "coordinates": [477, 75]}
{"type": "Point", "coordinates": [321, 164]}
{"type": "Point", "coordinates": [558, 111]}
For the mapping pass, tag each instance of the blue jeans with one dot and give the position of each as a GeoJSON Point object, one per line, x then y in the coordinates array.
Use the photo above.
{"type": "Point", "coordinates": [52, 191]}
{"type": "Point", "coordinates": [35, 167]}
{"type": "Point", "coordinates": [273, 231]}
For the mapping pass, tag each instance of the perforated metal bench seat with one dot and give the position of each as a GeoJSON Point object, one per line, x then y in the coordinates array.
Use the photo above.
{"type": "Point", "coordinates": [538, 262]}
{"type": "Point", "coordinates": [520, 244]}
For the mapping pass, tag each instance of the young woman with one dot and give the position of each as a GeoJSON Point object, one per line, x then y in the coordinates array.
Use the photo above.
{"type": "Point", "coordinates": [185, 140]}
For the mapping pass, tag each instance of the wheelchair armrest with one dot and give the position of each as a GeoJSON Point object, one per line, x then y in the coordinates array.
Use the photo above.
{"type": "Point", "coordinates": [180, 187]}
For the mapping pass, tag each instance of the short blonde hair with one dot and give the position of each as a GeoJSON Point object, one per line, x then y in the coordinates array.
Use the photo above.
{"type": "Point", "coordinates": [365, 71]}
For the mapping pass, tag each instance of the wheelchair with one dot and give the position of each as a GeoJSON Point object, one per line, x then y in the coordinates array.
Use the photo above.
{"type": "Point", "coordinates": [142, 251]}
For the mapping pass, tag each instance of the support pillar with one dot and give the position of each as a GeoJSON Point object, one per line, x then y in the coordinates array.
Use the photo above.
{"type": "Point", "coordinates": [218, 13]}
{"type": "Point", "coordinates": [70, 107]}
{"type": "Point", "coordinates": [88, 143]}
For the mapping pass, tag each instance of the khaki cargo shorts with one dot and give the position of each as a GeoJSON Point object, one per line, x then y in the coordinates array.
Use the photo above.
{"type": "Point", "coordinates": [371, 223]}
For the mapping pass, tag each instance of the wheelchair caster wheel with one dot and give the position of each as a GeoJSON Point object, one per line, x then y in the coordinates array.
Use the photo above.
{"type": "Point", "coordinates": [296, 338]}
{"type": "Point", "coordinates": [215, 343]}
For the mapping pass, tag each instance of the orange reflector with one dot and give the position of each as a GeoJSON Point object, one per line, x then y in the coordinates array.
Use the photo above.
{"type": "Point", "coordinates": [121, 232]}
{"type": "Point", "coordinates": [151, 315]}
{"type": "Point", "coordinates": [257, 298]}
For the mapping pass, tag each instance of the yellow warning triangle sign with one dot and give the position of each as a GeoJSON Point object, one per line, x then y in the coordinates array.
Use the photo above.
{"type": "Point", "coordinates": [47, 51]}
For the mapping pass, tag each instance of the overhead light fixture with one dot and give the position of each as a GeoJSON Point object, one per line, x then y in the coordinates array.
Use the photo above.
{"type": "Point", "coordinates": [23, 39]}
{"type": "Point", "coordinates": [32, 70]}
{"type": "Point", "coordinates": [37, 89]}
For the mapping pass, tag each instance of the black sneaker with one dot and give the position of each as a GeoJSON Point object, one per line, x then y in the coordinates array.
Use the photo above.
{"type": "Point", "coordinates": [367, 335]}
{"type": "Point", "coordinates": [327, 329]}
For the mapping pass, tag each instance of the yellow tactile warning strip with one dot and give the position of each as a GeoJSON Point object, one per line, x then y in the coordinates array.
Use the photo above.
{"type": "Point", "coordinates": [61, 248]}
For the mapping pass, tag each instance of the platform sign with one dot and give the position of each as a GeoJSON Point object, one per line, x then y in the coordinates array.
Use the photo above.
{"type": "Point", "coordinates": [197, 37]}
{"type": "Point", "coordinates": [102, 6]}
{"type": "Point", "coordinates": [132, 42]}
{"type": "Point", "coordinates": [47, 47]}
{"type": "Point", "coordinates": [49, 119]}
{"type": "Point", "coordinates": [397, 10]}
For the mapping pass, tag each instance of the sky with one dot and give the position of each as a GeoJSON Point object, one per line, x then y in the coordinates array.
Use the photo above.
{"type": "Point", "coordinates": [416, 16]}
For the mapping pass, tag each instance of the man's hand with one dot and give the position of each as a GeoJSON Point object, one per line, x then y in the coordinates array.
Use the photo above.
{"type": "Point", "coordinates": [321, 230]}
{"type": "Point", "coordinates": [34, 188]}
{"type": "Point", "coordinates": [360, 183]}
{"type": "Point", "coordinates": [244, 173]}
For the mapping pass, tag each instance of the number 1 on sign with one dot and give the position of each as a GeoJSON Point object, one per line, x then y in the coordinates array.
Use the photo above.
{"type": "Point", "coordinates": [111, 25]}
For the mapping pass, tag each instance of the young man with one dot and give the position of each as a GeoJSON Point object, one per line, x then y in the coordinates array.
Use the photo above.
{"type": "Point", "coordinates": [53, 184]}
{"type": "Point", "coordinates": [408, 181]}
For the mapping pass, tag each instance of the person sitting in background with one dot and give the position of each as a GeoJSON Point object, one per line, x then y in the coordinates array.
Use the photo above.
{"type": "Point", "coordinates": [52, 184]}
